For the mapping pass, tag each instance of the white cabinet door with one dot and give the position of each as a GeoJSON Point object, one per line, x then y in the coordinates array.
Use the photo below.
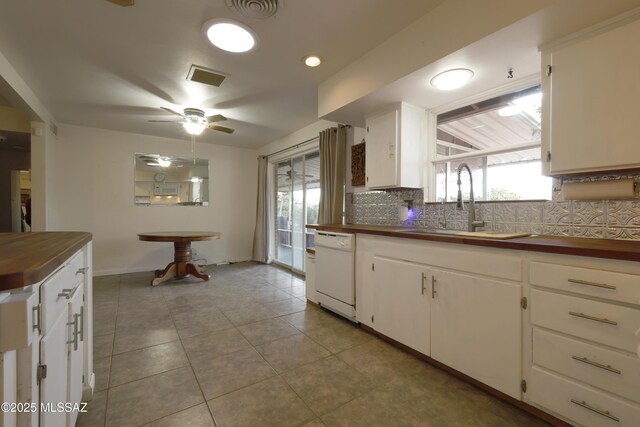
{"type": "Point", "coordinates": [53, 387]}
{"type": "Point", "coordinates": [590, 107]}
{"type": "Point", "coordinates": [476, 328]}
{"type": "Point", "coordinates": [401, 302]}
{"type": "Point", "coordinates": [381, 150]}
{"type": "Point", "coordinates": [76, 352]}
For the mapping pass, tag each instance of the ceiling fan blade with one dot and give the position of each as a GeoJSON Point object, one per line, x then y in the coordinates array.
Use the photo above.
{"type": "Point", "coordinates": [169, 110]}
{"type": "Point", "coordinates": [166, 121]}
{"type": "Point", "coordinates": [216, 118]}
{"type": "Point", "coordinates": [221, 129]}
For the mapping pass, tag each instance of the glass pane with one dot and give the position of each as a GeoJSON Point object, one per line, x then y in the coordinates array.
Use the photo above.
{"type": "Point", "coordinates": [283, 212]}
{"type": "Point", "coordinates": [517, 176]}
{"type": "Point", "coordinates": [298, 214]}
{"type": "Point", "coordinates": [477, 169]}
{"type": "Point", "coordinates": [312, 195]}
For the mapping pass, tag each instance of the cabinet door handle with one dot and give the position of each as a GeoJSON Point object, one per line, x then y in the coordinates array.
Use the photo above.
{"type": "Point", "coordinates": [424, 276]}
{"type": "Point", "coordinates": [74, 341]}
{"type": "Point", "coordinates": [596, 410]}
{"type": "Point", "coordinates": [37, 316]}
{"type": "Point", "coordinates": [433, 287]}
{"type": "Point", "coordinates": [595, 319]}
{"type": "Point", "coordinates": [596, 364]}
{"type": "Point", "coordinates": [595, 284]}
{"type": "Point", "coordinates": [81, 324]}
{"type": "Point", "coordinates": [68, 293]}
{"type": "Point", "coordinates": [82, 270]}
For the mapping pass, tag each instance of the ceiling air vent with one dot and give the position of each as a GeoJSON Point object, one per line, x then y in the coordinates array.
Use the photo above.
{"type": "Point", "coordinates": [256, 9]}
{"type": "Point", "coordinates": [204, 75]}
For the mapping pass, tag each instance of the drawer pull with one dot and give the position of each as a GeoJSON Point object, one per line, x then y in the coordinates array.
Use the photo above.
{"type": "Point", "coordinates": [68, 293]}
{"type": "Point", "coordinates": [596, 410]}
{"type": "Point", "coordinates": [82, 270]}
{"type": "Point", "coordinates": [596, 364]}
{"type": "Point", "coordinates": [595, 284]}
{"type": "Point", "coordinates": [596, 319]}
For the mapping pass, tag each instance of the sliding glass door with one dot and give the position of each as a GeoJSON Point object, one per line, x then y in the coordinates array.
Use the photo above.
{"type": "Point", "coordinates": [297, 197]}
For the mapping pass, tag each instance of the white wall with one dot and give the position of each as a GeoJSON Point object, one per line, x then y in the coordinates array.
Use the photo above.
{"type": "Point", "coordinates": [304, 134]}
{"type": "Point", "coordinates": [92, 189]}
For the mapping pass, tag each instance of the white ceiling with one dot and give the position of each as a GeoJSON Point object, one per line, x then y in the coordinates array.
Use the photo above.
{"type": "Point", "coordinates": [96, 64]}
{"type": "Point", "coordinates": [514, 47]}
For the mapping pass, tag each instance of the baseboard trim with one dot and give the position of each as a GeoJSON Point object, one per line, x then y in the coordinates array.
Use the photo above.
{"type": "Point", "coordinates": [125, 270]}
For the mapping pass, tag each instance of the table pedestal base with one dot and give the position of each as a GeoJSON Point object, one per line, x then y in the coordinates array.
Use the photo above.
{"type": "Point", "coordinates": [181, 267]}
{"type": "Point", "coordinates": [171, 271]}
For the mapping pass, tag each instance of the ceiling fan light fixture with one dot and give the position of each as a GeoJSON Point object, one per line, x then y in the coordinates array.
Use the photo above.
{"type": "Point", "coordinates": [230, 36]}
{"type": "Point", "coordinates": [452, 79]}
{"type": "Point", "coordinates": [165, 163]}
{"type": "Point", "coordinates": [194, 128]}
{"type": "Point", "coordinates": [312, 60]}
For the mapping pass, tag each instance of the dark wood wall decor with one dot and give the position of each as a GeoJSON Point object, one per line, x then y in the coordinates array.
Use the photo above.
{"type": "Point", "coordinates": [358, 164]}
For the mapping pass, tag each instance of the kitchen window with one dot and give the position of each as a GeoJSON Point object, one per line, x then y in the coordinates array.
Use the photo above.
{"type": "Point", "coordinates": [499, 139]}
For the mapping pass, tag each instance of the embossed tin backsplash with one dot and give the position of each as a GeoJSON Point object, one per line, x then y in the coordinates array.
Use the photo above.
{"type": "Point", "coordinates": [619, 219]}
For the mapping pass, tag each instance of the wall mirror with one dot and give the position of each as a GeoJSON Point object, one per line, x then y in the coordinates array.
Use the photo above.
{"type": "Point", "coordinates": [170, 181]}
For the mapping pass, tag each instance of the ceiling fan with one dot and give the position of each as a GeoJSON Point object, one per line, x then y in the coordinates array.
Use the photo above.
{"type": "Point", "coordinates": [292, 174]}
{"type": "Point", "coordinates": [195, 122]}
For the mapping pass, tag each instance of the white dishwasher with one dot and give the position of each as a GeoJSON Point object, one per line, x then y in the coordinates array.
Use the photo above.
{"type": "Point", "coordinates": [335, 277]}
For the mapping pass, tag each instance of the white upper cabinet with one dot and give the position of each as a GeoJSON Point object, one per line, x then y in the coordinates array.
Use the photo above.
{"type": "Point", "coordinates": [394, 147]}
{"type": "Point", "coordinates": [591, 86]}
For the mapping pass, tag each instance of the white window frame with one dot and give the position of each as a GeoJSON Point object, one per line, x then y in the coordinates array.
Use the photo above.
{"type": "Point", "coordinates": [431, 157]}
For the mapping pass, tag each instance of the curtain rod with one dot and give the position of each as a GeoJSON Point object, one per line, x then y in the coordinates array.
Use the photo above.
{"type": "Point", "coordinates": [300, 144]}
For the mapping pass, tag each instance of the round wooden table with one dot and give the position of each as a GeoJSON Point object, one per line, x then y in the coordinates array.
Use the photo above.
{"type": "Point", "coordinates": [182, 265]}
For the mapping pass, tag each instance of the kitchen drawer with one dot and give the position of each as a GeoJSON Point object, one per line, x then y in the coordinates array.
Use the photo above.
{"type": "Point", "coordinates": [58, 288]}
{"type": "Point", "coordinates": [587, 281]}
{"type": "Point", "coordinates": [579, 403]}
{"type": "Point", "coordinates": [600, 367]}
{"type": "Point", "coordinates": [604, 323]}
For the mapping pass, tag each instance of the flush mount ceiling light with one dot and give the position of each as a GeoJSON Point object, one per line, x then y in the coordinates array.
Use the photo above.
{"type": "Point", "coordinates": [312, 60]}
{"type": "Point", "coordinates": [230, 36]}
{"type": "Point", "coordinates": [452, 79]}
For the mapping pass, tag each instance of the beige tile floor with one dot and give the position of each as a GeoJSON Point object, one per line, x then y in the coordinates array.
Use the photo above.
{"type": "Point", "coordinates": [244, 349]}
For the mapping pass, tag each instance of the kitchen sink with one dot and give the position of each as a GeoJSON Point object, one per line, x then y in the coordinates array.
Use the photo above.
{"type": "Point", "coordinates": [474, 234]}
{"type": "Point", "coordinates": [418, 231]}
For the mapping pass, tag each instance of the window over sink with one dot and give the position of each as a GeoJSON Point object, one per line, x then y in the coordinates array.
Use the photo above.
{"type": "Point", "coordinates": [499, 138]}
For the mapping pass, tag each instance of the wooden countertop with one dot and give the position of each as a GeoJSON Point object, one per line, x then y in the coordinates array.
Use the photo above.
{"type": "Point", "coordinates": [28, 258]}
{"type": "Point", "coordinates": [597, 248]}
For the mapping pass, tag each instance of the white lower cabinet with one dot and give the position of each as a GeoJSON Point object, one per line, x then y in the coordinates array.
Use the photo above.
{"type": "Point", "coordinates": [466, 321]}
{"type": "Point", "coordinates": [49, 364]}
{"type": "Point", "coordinates": [583, 319]}
{"type": "Point", "coordinates": [401, 302]}
{"type": "Point", "coordinates": [581, 404]}
{"type": "Point", "coordinates": [476, 328]}
{"type": "Point", "coordinates": [75, 349]}
{"type": "Point", "coordinates": [53, 361]}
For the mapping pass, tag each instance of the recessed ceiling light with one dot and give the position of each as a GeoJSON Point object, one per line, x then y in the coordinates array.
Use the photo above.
{"type": "Point", "coordinates": [230, 36]}
{"type": "Point", "coordinates": [312, 60]}
{"type": "Point", "coordinates": [452, 79]}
